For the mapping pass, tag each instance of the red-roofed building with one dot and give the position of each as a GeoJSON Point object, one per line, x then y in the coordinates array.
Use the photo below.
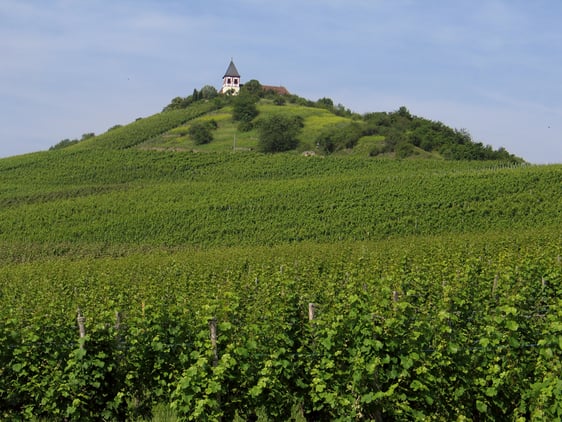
{"type": "Point", "coordinates": [280, 90]}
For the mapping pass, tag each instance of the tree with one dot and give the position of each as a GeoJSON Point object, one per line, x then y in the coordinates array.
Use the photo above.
{"type": "Point", "coordinates": [278, 100]}
{"type": "Point", "coordinates": [278, 132]}
{"type": "Point", "coordinates": [244, 108]}
{"type": "Point", "coordinates": [340, 136]}
{"type": "Point", "coordinates": [403, 149]}
{"type": "Point", "coordinates": [208, 92]}
{"type": "Point", "coordinates": [404, 112]}
{"type": "Point", "coordinates": [326, 103]}
{"type": "Point", "coordinates": [64, 143]}
{"type": "Point", "coordinates": [179, 102]}
{"type": "Point", "coordinates": [201, 133]}
{"type": "Point", "coordinates": [252, 87]}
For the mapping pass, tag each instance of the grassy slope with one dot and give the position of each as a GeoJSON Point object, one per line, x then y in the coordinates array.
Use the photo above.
{"type": "Point", "coordinates": [169, 130]}
{"type": "Point", "coordinates": [226, 135]}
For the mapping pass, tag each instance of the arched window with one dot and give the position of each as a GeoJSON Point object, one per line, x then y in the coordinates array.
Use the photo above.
{"type": "Point", "coordinates": [235, 81]}
{"type": "Point", "coordinates": [228, 81]}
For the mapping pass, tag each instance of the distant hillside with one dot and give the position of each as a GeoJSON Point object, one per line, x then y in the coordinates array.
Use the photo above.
{"type": "Point", "coordinates": [206, 121]}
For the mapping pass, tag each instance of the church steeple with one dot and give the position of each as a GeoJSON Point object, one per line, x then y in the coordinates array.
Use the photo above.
{"type": "Point", "coordinates": [231, 80]}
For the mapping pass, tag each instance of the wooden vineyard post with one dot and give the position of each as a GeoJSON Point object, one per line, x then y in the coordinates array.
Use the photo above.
{"type": "Point", "coordinates": [311, 324]}
{"type": "Point", "coordinates": [213, 334]}
{"type": "Point", "coordinates": [311, 311]}
{"type": "Point", "coordinates": [117, 320]}
{"type": "Point", "coordinates": [81, 326]}
{"type": "Point", "coordinates": [117, 328]}
{"type": "Point", "coordinates": [213, 331]}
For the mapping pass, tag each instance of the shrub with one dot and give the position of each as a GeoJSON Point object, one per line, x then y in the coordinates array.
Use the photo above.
{"type": "Point", "coordinates": [253, 88]}
{"type": "Point", "coordinates": [279, 133]}
{"type": "Point", "coordinates": [326, 103]}
{"type": "Point", "coordinates": [404, 149]}
{"type": "Point", "coordinates": [201, 133]}
{"type": "Point", "coordinates": [245, 126]}
{"type": "Point", "coordinates": [179, 103]}
{"type": "Point", "coordinates": [208, 92]}
{"type": "Point", "coordinates": [339, 137]}
{"type": "Point", "coordinates": [64, 143]}
{"type": "Point", "coordinates": [244, 108]}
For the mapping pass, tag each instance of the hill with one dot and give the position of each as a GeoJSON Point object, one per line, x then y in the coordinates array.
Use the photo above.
{"type": "Point", "coordinates": [326, 128]}
{"type": "Point", "coordinates": [142, 274]}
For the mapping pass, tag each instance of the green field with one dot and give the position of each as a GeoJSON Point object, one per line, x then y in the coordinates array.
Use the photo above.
{"type": "Point", "coordinates": [436, 284]}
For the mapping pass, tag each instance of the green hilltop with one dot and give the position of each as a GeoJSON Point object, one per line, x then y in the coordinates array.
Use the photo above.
{"type": "Point", "coordinates": [375, 267]}
{"type": "Point", "coordinates": [235, 122]}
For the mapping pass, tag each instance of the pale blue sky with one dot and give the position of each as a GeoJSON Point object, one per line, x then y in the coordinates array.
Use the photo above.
{"type": "Point", "coordinates": [494, 67]}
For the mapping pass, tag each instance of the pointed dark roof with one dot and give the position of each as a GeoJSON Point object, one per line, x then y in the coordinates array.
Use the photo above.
{"type": "Point", "coordinates": [232, 71]}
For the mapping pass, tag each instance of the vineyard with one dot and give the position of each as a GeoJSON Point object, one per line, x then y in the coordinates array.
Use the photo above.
{"type": "Point", "coordinates": [242, 286]}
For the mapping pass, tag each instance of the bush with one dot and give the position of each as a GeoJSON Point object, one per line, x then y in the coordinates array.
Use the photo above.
{"type": "Point", "coordinates": [244, 109]}
{"type": "Point", "coordinates": [252, 88]}
{"type": "Point", "coordinates": [178, 103]}
{"type": "Point", "coordinates": [245, 126]}
{"type": "Point", "coordinates": [279, 133]}
{"type": "Point", "coordinates": [326, 103]}
{"type": "Point", "coordinates": [404, 149]}
{"type": "Point", "coordinates": [201, 133]}
{"type": "Point", "coordinates": [64, 143]}
{"type": "Point", "coordinates": [208, 92]}
{"type": "Point", "coordinates": [337, 137]}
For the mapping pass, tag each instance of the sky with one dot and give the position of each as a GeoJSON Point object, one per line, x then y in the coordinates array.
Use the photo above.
{"type": "Point", "coordinates": [492, 67]}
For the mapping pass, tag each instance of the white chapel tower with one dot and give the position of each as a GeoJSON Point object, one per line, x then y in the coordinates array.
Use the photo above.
{"type": "Point", "coordinates": [231, 80]}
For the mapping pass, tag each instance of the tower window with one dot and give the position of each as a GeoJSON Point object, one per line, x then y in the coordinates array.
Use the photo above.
{"type": "Point", "coordinates": [235, 81]}
{"type": "Point", "coordinates": [228, 80]}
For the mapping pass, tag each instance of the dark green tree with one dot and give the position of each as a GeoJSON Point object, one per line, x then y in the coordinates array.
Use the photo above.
{"type": "Point", "coordinates": [64, 143]}
{"type": "Point", "coordinates": [208, 92]}
{"type": "Point", "coordinates": [252, 87]}
{"type": "Point", "coordinates": [278, 133]}
{"type": "Point", "coordinates": [201, 132]}
{"type": "Point", "coordinates": [404, 112]}
{"type": "Point", "coordinates": [244, 108]}
{"type": "Point", "coordinates": [326, 103]}
{"type": "Point", "coordinates": [178, 103]}
{"type": "Point", "coordinates": [403, 149]}
{"type": "Point", "coordinates": [338, 137]}
{"type": "Point", "coordinates": [278, 100]}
